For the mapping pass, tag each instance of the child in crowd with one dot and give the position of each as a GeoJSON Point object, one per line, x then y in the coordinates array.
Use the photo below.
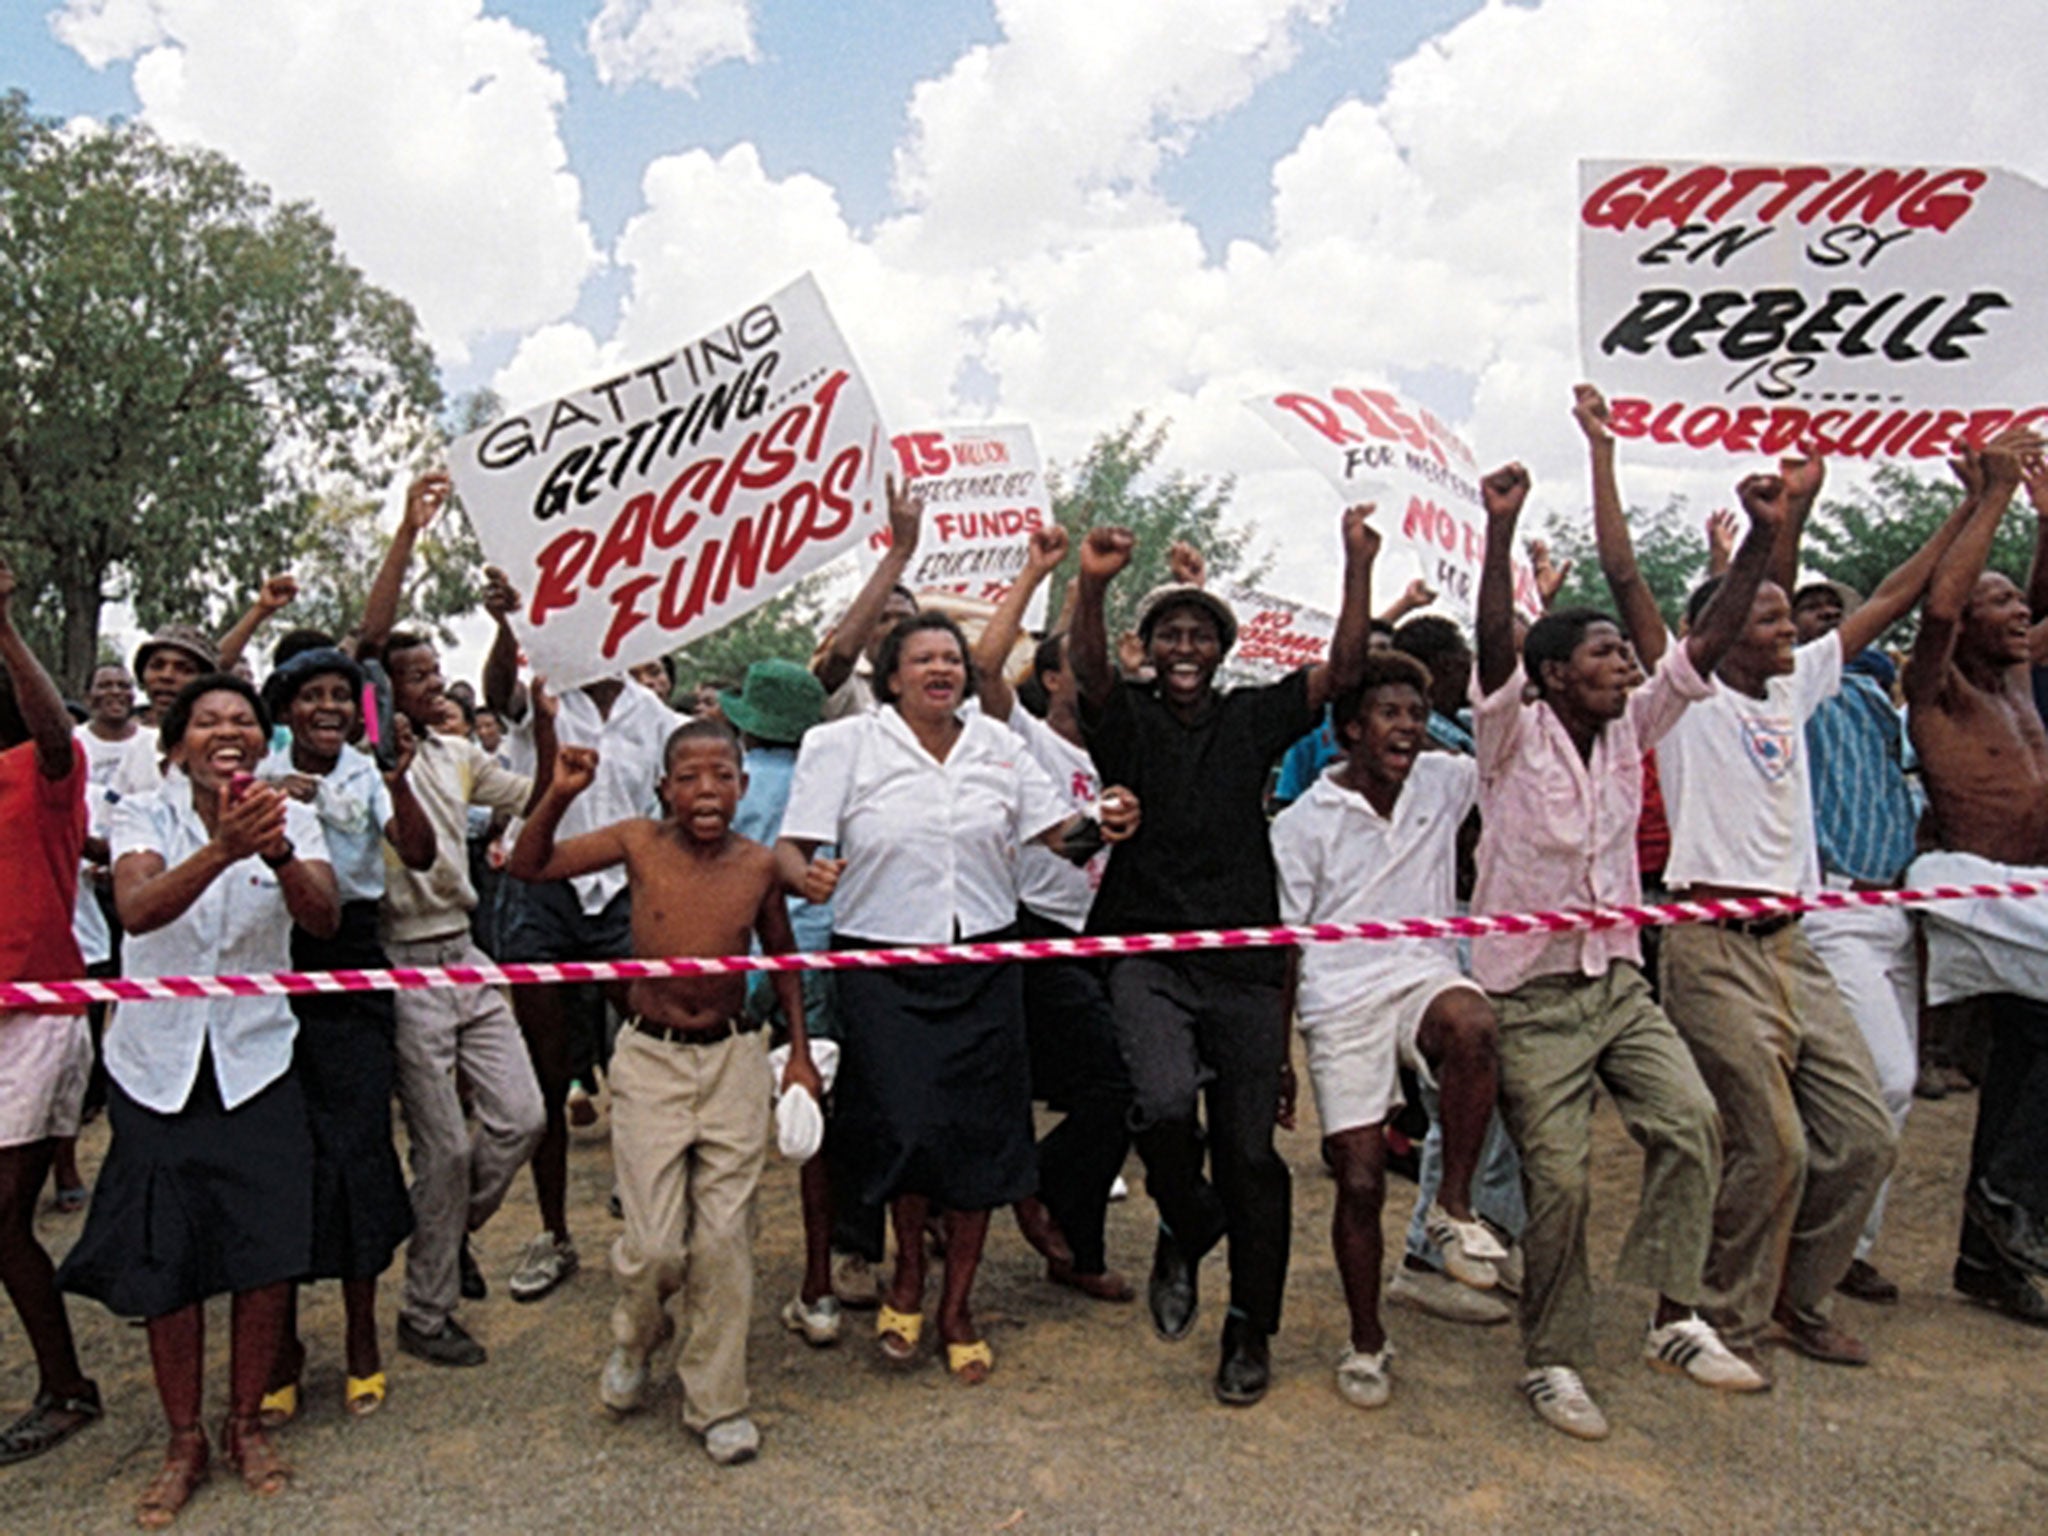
{"type": "Point", "coordinates": [1377, 837]}
{"type": "Point", "coordinates": [690, 1082]}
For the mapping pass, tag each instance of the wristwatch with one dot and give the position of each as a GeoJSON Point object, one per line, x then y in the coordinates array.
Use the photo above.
{"type": "Point", "coordinates": [290, 853]}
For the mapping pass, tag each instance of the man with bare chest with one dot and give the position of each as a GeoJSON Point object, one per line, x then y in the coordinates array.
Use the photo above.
{"type": "Point", "coordinates": [690, 1081]}
{"type": "Point", "coordinates": [1984, 755]}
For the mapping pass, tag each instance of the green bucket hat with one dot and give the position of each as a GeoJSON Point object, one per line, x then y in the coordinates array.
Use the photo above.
{"type": "Point", "coordinates": [777, 702]}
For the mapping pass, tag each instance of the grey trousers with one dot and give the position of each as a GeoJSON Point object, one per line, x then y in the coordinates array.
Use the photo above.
{"type": "Point", "coordinates": [452, 1040]}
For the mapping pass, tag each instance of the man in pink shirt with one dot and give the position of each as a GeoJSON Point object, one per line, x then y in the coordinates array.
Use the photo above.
{"type": "Point", "coordinates": [1560, 738]}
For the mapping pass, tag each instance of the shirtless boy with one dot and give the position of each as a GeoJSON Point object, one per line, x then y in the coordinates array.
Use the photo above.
{"type": "Point", "coordinates": [1985, 759]}
{"type": "Point", "coordinates": [690, 1080]}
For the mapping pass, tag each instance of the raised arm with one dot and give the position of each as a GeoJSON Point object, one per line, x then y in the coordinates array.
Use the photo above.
{"type": "Point", "coordinates": [1640, 616]}
{"type": "Point", "coordinates": [277, 592]}
{"type": "Point", "coordinates": [1767, 501]}
{"type": "Point", "coordinates": [1802, 479]}
{"type": "Point", "coordinates": [999, 635]}
{"type": "Point", "coordinates": [424, 499]}
{"type": "Point", "coordinates": [1353, 639]}
{"type": "Point", "coordinates": [1959, 566]}
{"type": "Point", "coordinates": [1503, 493]}
{"type": "Point", "coordinates": [1104, 552]}
{"type": "Point", "coordinates": [1897, 593]}
{"type": "Point", "coordinates": [35, 692]}
{"type": "Point", "coordinates": [1416, 595]}
{"type": "Point", "coordinates": [1721, 530]}
{"type": "Point", "coordinates": [536, 855]}
{"type": "Point", "coordinates": [2035, 473]}
{"type": "Point", "coordinates": [834, 665]}
{"type": "Point", "coordinates": [501, 665]}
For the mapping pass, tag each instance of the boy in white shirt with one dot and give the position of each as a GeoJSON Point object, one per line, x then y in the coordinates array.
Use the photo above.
{"type": "Point", "coordinates": [1376, 837]}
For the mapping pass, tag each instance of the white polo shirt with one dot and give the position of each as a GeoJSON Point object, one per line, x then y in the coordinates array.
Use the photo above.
{"type": "Point", "coordinates": [238, 925]}
{"type": "Point", "coordinates": [1736, 786]}
{"type": "Point", "coordinates": [1340, 861]}
{"type": "Point", "coordinates": [930, 847]}
{"type": "Point", "coordinates": [1049, 884]}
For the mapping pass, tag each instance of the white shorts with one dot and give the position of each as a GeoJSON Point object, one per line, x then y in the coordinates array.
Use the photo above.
{"type": "Point", "coordinates": [45, 1059]}
{"type": "Point", "coordinates": [1354, 1059]}
{"type": "Point", "coordinates": [1985, 944]}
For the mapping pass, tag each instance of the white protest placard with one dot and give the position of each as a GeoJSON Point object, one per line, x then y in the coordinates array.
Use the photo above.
{"type": "Point", "coordinates": [1274, 635]}
{"type": "Point", "coordinates": [661, 504]}
{"type": "Point", "coordinates": [1876, 312]}
{"type": "Point", "coordinates": [1372, 445]}
{"type": "Point", "coordinates": [984, 496]}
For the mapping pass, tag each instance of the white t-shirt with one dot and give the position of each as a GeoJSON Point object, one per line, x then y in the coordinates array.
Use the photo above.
{"type": "Point", "coordinates": [1048, 884]}
{"type": "Point", "coordinates": [1736, 786]}
{"type": "Point", "coordinates": [930, 847]}
{"type": "Point", "coordinates": [1340, 861]}
{"type": "Point", "coordinates": [138, 773]}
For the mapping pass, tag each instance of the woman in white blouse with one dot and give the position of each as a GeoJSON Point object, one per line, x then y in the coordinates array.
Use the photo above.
{"type": "Point", "coordinates": [929, 808]}
{"type": "Point", "coordinates": [207, 1185]}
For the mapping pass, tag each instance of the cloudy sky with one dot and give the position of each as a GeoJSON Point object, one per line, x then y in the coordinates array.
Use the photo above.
{"type": "Point", "coordinates": [1058, 211]}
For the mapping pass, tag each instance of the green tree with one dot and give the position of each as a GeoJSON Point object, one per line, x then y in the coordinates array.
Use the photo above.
{"type": "Point", "coordinates": [185, 366]}
{"type": "Point", "coordinates": [785, 628]}
{"type": "Point", "coordinates": [1671, 552]}
{"type": "Point", "coordinates": [1114, 484]}
{"type": "Point", "coordinates": [1861, 538]}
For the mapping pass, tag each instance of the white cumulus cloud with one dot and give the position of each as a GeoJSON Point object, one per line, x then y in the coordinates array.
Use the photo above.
{"type": "Point", "coordinates": [424, 130]}
{"type": "Point", "coordinates": [669, 42]}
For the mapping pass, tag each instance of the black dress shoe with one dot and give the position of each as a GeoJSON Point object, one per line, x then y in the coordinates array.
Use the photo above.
{"type": "Point", "coordinates": [2005, 1290]}
{"type": "Point", "coordinates": [2020, 1236]}
{"type": "Point", "coordinates": [1247, 1365]}
{"type": "Point", "coordinates": [1865, 1283]}
{"type": "Point", "coordinates": [1172, 1289]}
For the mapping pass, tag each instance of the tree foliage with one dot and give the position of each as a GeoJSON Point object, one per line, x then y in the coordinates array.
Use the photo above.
{"type": "Point", "coordinates": [1860, 539]}
{"type": "Point", "coordinates": [1671, 552]}
{"type": "Point", "coordinates": [1114, 484]}
{"type": "Point", "coordinates": [785, 628]}
{"type": "Point", "coordinates": [185, 368]}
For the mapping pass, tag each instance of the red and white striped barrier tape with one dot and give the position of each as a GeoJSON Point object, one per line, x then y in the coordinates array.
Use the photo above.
{"type": "Point", "coordinates": [47, 994]}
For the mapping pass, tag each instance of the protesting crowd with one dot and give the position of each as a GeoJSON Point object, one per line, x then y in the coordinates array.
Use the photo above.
{"type": "Point", "coordinates": [917, 785]}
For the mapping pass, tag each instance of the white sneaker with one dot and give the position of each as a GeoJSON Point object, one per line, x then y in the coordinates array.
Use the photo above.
{"type": "Point", "coordinates": [732, 1441]}
{"type": "Point", "coordinates": [1561, 1401]}
{"type": "Point", "coordinates": [543, 1264]}
{"type": "Point", "coordinates": [623, 1386]}
{"type": "Point", "coordinates": [1363, 1380]}
{"type": "Point", "coordinates": [1469, 1247]}
{"type": "Point", "coordinates": [854, 1283]}
{"type": "Point", "coordinates": [1690, 1347]}
{"type": "Point", "coordinates": [1508, 1272]}
{"type": "Point", "coordinates": [1118, 1189]}
{"type": "Point", "coordinates": [1439, 1296]}
{"type": "Point", "coordinates": [818, 1321]}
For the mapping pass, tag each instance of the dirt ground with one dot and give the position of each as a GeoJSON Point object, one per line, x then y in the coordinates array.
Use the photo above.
{"type": "Point", "coordinates": [1093, 1424]}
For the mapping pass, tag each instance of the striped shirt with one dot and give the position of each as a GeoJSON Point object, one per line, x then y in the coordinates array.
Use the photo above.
{"type": "Point", "coordinates": [1862, 808]}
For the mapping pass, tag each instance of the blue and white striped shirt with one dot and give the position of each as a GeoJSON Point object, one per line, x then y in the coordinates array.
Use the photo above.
{"type": "Point", "coordinates": [1862, 807]}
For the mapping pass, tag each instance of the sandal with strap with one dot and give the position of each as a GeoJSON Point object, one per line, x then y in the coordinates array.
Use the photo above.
{"type": "Point", "coordinates": [49, 1422]}
{"type": "Point", "coordinates": [279, 1408]}
{"type": "Point", "coordinates": [184, 1469]}
{"type": "Point", "coordinates": [245, 1447]}
{"type": "Point", "coordinates": [971, 1362]}
{"type": "Point", "coordinates": [365, 1395]}
{"type": "Point", "coordinates": [897, 1333]}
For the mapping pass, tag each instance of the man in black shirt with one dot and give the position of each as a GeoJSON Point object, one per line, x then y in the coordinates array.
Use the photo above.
{"type": "Point", "coordinates": [1210, 1023]}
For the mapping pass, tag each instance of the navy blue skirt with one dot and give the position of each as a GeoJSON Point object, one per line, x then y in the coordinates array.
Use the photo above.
{"type": "Point", "coordinates": [204, 1202]}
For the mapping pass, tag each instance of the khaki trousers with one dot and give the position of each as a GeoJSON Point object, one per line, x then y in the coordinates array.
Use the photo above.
{"type": "Point", "coordinates": [689, 1137]}
{"type": "Point", "coordinates": [1559, 1035]}
{"type": "Point", "coordinates": [1806, 1140]}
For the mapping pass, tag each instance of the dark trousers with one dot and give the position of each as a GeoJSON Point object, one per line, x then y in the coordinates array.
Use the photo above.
{"type": "Point", "coordinates": [2009, 1153]}
{"type": "Point", "coordinates": [1077, 1070]}
{"type": "Point", "coordinates": [1190, 1033]}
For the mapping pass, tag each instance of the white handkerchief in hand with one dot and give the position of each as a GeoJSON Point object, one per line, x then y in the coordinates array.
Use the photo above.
{"type": "Point", "coordinates": [799, 1124]}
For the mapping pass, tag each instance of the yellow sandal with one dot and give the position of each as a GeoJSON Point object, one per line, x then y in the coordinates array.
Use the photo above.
{"type": "Point", "coordinates": [971, 1363]}
{"type": "Point", "coordinates": [897, 1333]}
{"type": "Point", "coordinates": [279, 1408]}
{"type": "Point", "coordinates": [365, 1395]}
